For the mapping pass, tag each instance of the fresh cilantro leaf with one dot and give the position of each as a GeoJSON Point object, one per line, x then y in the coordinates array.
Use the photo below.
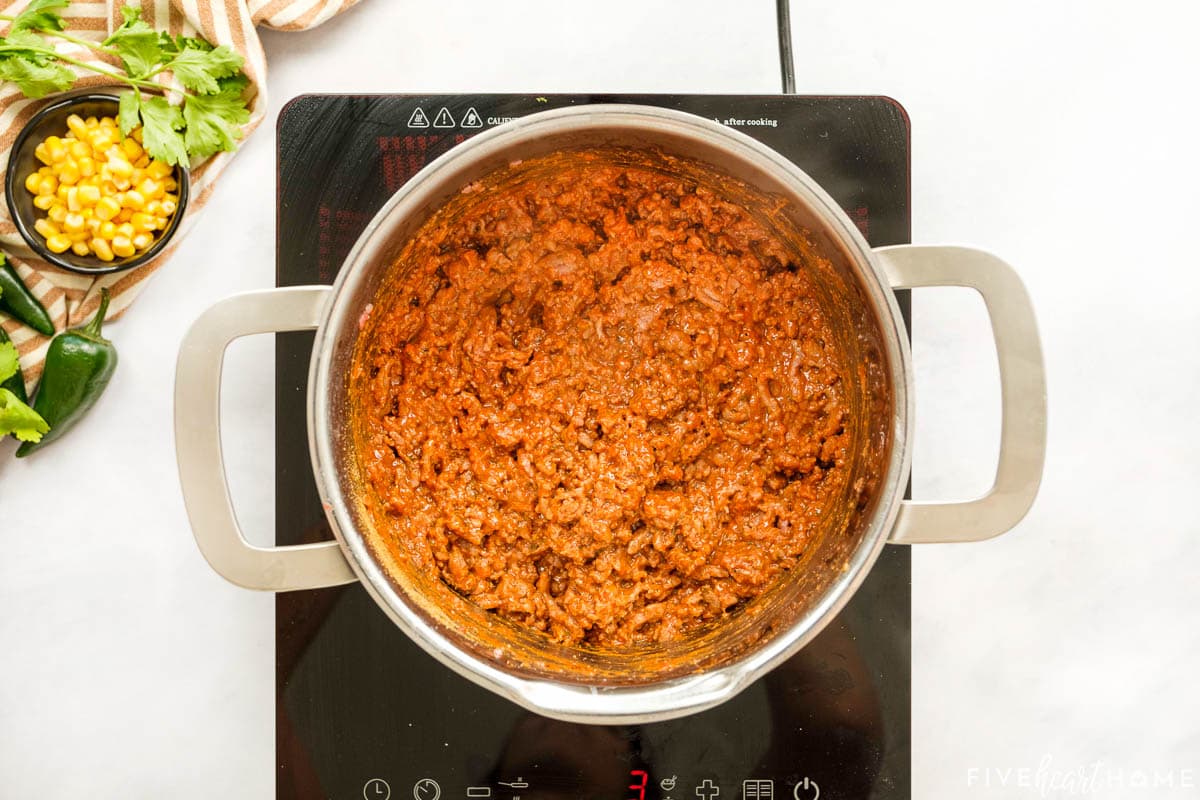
{"type": "Point", "coordinates": [174, 45]}
{"type": "Point", "coordinates": [129, 109]}
{"type": "Point", "coordinates": [41, 15]}
{"type": "Point", "coordinates": [32, 45]}
{"type": "Point", "coordinates": [137, 44]}
{"type": "Point", "coordinates": [19, 419]}
{"type": "Point", "coordinates": [214, 120]}
{"type": "Point", "coordinates": [198, 70]}
{"type": "Point", "coordinates": [15, 416]}
{"type": "Point", "coordinates": [29, 62]}
{"type": "Point", "coordinates": [9, 361]}
{"type": "Point", "coordinates": [161, 123]}
{"type": "Point", "coordinates": [213, 83]}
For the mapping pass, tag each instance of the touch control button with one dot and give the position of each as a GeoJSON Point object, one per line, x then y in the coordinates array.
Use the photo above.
{"type": "Point", "coordinates": [807, 789]}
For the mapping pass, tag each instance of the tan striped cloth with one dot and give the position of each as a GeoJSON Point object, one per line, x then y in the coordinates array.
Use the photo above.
{"type": "Point", "coordinates": [71, 298]}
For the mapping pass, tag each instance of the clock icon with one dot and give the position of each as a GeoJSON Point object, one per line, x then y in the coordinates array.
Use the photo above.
{"type": "Point", "coordinates": [376, 789]}
{"type": "Point", "coordinates": [426, 789]}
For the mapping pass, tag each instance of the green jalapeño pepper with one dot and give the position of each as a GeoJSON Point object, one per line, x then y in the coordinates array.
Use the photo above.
{"type": "Point", "coordinates": [17, 300]}
{"type": "Point", "coordinates": [79, 364]}
{"type": "Point", "coordinates": [16, 382]}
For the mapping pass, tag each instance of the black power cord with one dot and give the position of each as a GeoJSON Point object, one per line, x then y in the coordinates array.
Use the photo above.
{"type": "Point", "coordinates": [787, 68]}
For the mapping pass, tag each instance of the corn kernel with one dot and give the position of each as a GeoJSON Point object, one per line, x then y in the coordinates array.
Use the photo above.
{"type": "Point", "coordinates": [94, 224]}
{"type": "Point", "coordinates": [108, 122]}
{"type": "Point", "coordinates": [133, 150]}
{"type": "Point", "coordinates": [142, 222]}
{"type": "Point", "coordinates": [68, 173]}
{"type": "Point", "coordinates": [55, 148]}
{"type": "Point", "coordinates": [78, 236]}
{"type": "Point", "coordinates": [136, 133]}
{"type": "Point", "coordinates": [73, 203]}
{"type": "Point", "coordinates": [170, 184]}
{"type": "Point", "coordinates": [91, 122]}
{"type": "Point", "coordinates": [33, 182]}
{"type": "Point", "coordinates": [122, 247]}
{"type": "Point", "coordinates": [124, 217]}
{"type": "Point", "coordinates": [160, 223]}
{"type": "Point", "coordinates": [107, 208]}
{"type": "Point", "coordinates": [57, 214]}
{"type": "Point", "coordinates": [107, 230]}
{"type": "Point", "coordinates": [121, 183]}
{"type": "Point", "coordinates": [171, 198]}
{"type": "Point", "coordinates": [120, 167]}
{"type": "Point", "coordinates": [80, 149]}
{"type": "Point", "coordinates": [74, 223]}
{"type": "Point", "coordinates": [87, 167]}
{"type": "Point", "coordinates": [134, 200]}
{"type": "Point", "coordinates": [61, 192]}
{"type": "Point", "coordinates": [89, 195]}
{"type": "Point", "coordinates": [58, 244]}
{"type": "Point", "coordinates": [81, 249]}
{"type": "Point", "coordinates": [48, 185]}
{"type": "Point", "coordinates": [102, 249]}
{"type": "Point", "coordinates": [46, 228]}
{"type": "Point", "coordinates": [142, 162]}
{"type": "Point", "coordinates": [159, 169]}
{"type": "Point", "coordinates": [125, 229]}
{"type": "Point", "coordinates": [77, 125]}
{"type": "Point", "coordinates": [44, 201]}
{"type": "Point", "coordinates": [42, 154]}
{"type": "Point", "coordinates": [151, 189]}
{"type": "Point", "coordinates": [143, 240]}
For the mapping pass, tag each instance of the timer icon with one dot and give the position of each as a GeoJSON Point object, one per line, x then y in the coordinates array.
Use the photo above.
{"type": "Point", "coordinates": [426, 789]}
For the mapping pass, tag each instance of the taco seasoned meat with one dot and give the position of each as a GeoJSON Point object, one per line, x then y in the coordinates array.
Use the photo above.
{"type": "Point", "coordinates": [602, 402]}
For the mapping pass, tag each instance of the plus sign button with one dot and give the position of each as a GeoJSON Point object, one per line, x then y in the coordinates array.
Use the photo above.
{"type": "Point", "coordinates": [707, 790]}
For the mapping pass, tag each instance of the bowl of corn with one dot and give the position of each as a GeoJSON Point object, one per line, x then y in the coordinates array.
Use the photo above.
{"type": "Point", "coordinates": [85, 196]}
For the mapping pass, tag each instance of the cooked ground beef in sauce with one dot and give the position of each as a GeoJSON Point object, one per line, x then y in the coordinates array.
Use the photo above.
{"type": "Point", "coordinates": [601, 402]}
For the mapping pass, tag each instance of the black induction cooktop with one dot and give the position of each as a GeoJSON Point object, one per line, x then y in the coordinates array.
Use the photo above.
{"type": "Point", "coordinates": [361, 712]}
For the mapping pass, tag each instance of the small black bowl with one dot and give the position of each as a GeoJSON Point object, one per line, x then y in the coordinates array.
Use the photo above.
{"type": "Point", "coordinates": [52, 121]}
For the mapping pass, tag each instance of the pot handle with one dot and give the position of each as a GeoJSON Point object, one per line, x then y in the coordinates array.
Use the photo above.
{"type": "Point", "coordinates": [198, 444]}
{"type": "Point", "coordinates": [1022, 393]}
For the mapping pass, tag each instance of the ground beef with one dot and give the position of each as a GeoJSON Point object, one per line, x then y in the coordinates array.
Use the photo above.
{"type": "Point", "coordinates": [602, 402]}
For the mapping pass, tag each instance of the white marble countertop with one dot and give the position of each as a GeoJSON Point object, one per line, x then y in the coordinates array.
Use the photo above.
{"type": "Point", "coordinates": [1060, 135]}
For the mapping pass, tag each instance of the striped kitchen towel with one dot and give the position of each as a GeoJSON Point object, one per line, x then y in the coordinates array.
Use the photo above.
{"type": "Point", "coordinates": [69, 297]}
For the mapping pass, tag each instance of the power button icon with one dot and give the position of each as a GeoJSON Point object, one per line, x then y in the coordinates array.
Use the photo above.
{"type": "Point", "coordinates": [806, 789]}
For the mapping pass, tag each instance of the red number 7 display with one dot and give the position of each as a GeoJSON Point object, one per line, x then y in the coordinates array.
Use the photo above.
{"type": "Point", "coordinates": [642, 777]}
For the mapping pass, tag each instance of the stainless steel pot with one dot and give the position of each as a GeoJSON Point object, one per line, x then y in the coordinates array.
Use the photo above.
{"type": "Point", "coordinates": [751, 644]}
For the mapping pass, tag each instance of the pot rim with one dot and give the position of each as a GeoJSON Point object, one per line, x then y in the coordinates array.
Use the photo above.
{"type": "Point", "coordinates": [664, 699]}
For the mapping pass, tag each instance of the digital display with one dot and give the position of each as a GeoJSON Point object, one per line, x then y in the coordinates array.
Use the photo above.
{"type": "Point", "coordinates": [641, 778]}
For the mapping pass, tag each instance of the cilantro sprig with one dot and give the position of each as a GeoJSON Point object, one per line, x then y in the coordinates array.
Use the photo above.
{"type": "Point", "coordinates": [206, 120]}
{"type": "Point", "coordinates": [16, 417]}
